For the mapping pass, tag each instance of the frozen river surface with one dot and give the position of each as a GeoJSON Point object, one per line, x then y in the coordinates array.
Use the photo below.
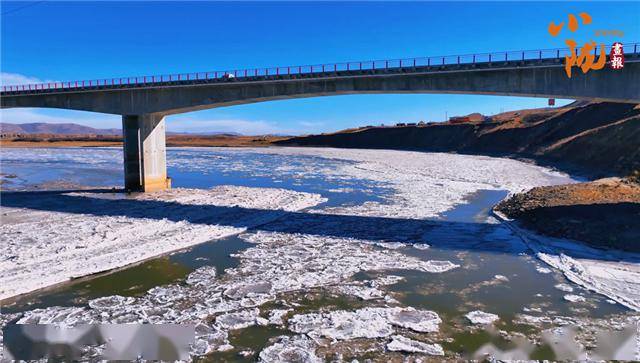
{"type": "Point", "coordinates": [284, 254]}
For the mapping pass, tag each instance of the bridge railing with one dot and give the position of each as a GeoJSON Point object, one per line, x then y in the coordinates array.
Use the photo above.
{"type": "Point", "coordinates": [317, 69]}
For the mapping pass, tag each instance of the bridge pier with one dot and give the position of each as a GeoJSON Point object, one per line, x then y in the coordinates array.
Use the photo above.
{"type": "Point", "coordinates": [144, 146]}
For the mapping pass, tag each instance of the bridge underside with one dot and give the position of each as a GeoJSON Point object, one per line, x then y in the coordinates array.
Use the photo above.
{"type": "Point", "coordinates": [143, 108]}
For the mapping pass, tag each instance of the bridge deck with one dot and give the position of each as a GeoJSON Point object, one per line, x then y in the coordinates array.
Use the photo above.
{"type": "Point", "coordinates": [441, 64]}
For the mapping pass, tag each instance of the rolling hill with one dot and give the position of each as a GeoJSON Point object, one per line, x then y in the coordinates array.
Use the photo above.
{"type": "Point", "coordinates": [49, 128]}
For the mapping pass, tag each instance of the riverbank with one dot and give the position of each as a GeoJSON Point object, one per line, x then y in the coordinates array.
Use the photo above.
{"type": "Point", "coordinates": [603, 213]}
{"type": "Point", "coordinates": [55, 140]}
{"type": "Point", "coordinates": [594, 139]}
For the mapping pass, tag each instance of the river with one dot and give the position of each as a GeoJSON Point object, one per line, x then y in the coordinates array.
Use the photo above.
{"type": "Point", "coordinates": [306, 243]}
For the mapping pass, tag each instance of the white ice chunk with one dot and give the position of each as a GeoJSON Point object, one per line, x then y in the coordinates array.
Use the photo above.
{"type": "Point", "coordinates": [363, 292]}
{"type": "Point", "coordinates": [574, 298]}
{"type": "Point", "coordinates": [387, 280]}
{"type": "Point", "coordinates": [564, 287]}
{"type": "Point", "coordinates": [238, 320]}
{"type": "Point", "coordinates": [209, 339]}
{"type": "Point", "coordinates": [423, 321]}
{"type": "Point", "coordinates": [543, 270]}
{"type": "Point", "coordinates": [402, 344]}
{"type": "Point", "coordinates": [364, 323]}
{"type": "Point", "coordinates": [202, 276]}
{"type": "Point", "coordinates": [50, 247]}
{"type": "Point", "coordinates": [297, 348]}
{"type": "Point", "coordinates": [111, 302]}
{"type": "Point", "coordinates": [481, 318]}
{"type": "Point", "coordinates": [59, 316]}
{"type": "Point", "coordinates": [276, 316]}
{"type": "Point", "coordinates": [343, 325]}
{"type": "Point", "coordinates": [391, 245]}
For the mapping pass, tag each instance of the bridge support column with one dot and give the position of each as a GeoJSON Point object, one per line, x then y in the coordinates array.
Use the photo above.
{"type": "Point", "coordinates": [145, 166]}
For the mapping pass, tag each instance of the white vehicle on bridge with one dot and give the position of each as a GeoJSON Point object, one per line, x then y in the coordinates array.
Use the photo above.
{"type": "Point", "coordinates": [228, 77]}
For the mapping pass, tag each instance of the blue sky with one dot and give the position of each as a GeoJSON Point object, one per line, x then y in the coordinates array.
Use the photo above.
{"type": "Point", "coordinates": [54, 40]}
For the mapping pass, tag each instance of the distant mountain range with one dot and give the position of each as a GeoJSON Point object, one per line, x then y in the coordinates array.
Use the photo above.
{"type": "Point", "coordinates": [62, 129]}
{"type": "Point", "coordinates": [75, 129]}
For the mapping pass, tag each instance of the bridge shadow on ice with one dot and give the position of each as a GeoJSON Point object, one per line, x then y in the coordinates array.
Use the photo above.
{"type": "Point", "coordinates": [438, 233]}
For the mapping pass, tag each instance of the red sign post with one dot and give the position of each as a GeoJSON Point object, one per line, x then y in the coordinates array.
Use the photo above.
{"type": "Point", "coordinates": [617, 56]}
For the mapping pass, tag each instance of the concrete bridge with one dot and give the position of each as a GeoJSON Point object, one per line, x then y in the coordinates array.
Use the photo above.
{"type": "Point", "coordinates": [144, 101]}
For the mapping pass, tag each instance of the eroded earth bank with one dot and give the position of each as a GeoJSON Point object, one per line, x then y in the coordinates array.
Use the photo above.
{"type": "Point", "coordinates": [304, 254]}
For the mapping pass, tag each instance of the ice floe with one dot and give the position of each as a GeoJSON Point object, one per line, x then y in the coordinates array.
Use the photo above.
{"type": "Point", "coordinates": [276, 263]}
{"type": "Point", "coordinates": [111, 302]}
{"type": "Point", "coordinates": [364, 323]}
{"type": "Point", "coordinates": [618, 280]}
{"type": "Point", "coordinates": [564, 287]}
{"type": "Point", "coordinates": [421, 246]}
{"type": "Point", "coordinates": [208, 339]}
{"type": "Point", "coordinates": [276, 316]}
{"type": "Point", "coordinates": [238, 320]}
{"type": "Point", "coordinates": [387, 280]}
{"type": "Point", "coordinates": [574, 298]}
{"type": "Point", "coordinates": [501, 278]}
{"type": "Point", "coordinates": [481, 318]}
{"type": "Point", "coordinates": [289, 262]}
{"type": "Point", "coordinates": [53, 237]}
{"type": "Point", "coordinates": [417, 177]}
{"type": "Point", "coordinates": [298, 348]}
{"type": "Point", "coordinates": [543, 270]}
{"type": "Point", "coordinates": [363, 292]}
{"type": "Point", "coordinates": [614, 274]}
{"type": "Point", "coordinates": [202, 276]}
{"type": "Point", "coordinates": [402, 344]}
{"type": "Point", "coordinates": [391, 245]}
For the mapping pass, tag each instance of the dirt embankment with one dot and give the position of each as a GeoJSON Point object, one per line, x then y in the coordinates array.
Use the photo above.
{"type": "Point", "coordinates": [600, 139]}
{"type": "Point", "coordinates": [603, 213]}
